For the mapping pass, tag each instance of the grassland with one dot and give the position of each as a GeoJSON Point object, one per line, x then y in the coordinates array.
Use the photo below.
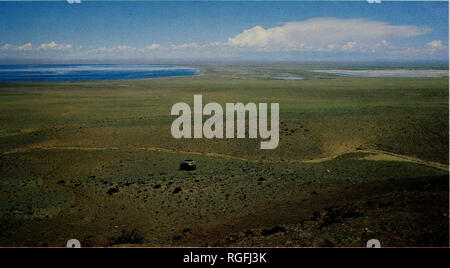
{"type": "Point", "coordinates": [359, 158]}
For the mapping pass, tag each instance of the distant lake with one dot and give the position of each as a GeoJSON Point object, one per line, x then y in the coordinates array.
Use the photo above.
{"type": "Point", "coordinates": [89, 72]}
{"type": "Point", "coordinates": [387, 73]}
{"type": "Point", "coordinates": [287, 78]}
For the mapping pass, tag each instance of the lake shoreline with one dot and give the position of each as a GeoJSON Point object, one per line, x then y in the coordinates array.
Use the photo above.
{"type": "Point", "coordinates": [91, 72]}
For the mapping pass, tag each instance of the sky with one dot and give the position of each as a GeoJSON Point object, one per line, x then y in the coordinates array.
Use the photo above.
{"type": "Point", "coordinates": [292, 31]}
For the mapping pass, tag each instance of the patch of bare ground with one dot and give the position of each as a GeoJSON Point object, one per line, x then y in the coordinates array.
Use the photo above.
{"type": "Point", "coordinates": [407, 212]}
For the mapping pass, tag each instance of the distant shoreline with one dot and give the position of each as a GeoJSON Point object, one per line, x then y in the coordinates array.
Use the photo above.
{"type": "Point", "coordinates": [90, 72]}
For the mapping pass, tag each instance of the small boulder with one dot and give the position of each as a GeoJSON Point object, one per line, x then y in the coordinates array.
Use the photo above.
{"type": "Point", "coordinates": [112, 190]}
{"type": "Point", "coordinates": [177, 190]}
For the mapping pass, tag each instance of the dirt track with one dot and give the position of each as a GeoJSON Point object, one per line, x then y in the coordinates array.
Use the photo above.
{"type": "Point", "coordinates": [374, 155]}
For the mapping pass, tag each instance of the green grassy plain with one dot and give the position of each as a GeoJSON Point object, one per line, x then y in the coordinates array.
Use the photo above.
{"type": "Point", "coordinates": [358, 158]}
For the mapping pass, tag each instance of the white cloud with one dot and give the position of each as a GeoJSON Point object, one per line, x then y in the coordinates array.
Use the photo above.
{"type": "Point", "coordinates": [328, 35]}
{"type": "Point", "coordinates": [185, 46]}
{"type": "Point", "coordinates": [54, 46]}
{"type": "Point", "coordinates": [125, 48]}
{"type": "Point", "coordinates": [436, 45]}
{"type": "Point", "coordinates": [6, 47]}
{"type": "Point", "coordinates": [25, 47]}
{"type": "Point", "coordinates": [385, 44]}
{"type": "Point", "coordinates": [152, 47]}
{"type": "Point", "coordinates": [349, 46]}
{"type": "Point", "coordinates": [112, 50]}
{"type": "Point", "coordinates": [317, 34]}
{"type": "Point", "coordinates": [29, 47]}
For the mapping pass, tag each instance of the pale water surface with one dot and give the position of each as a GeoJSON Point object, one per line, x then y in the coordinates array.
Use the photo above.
{"type": "Point", "coordinates": [387, 73]}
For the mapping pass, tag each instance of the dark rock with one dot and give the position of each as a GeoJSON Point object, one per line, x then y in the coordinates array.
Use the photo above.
{"type": "Point", "coordinates": [333, 215]}
{"type": "Point", "coordinates": [112, 190]}
{"type": "Point", "coordinates": [177, 190]}
{"type": "Point", "coordinates": [248, 233]}
{"type": "Point", "coordinates": [327, 243]}
{"type": "Point", "coordinates": [274, 230]}
{"type": "Point", "coordinates": [128, 237]}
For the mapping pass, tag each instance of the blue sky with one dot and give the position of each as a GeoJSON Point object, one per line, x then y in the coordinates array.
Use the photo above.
{"type": "Point", "coordinates": [244, 30]}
